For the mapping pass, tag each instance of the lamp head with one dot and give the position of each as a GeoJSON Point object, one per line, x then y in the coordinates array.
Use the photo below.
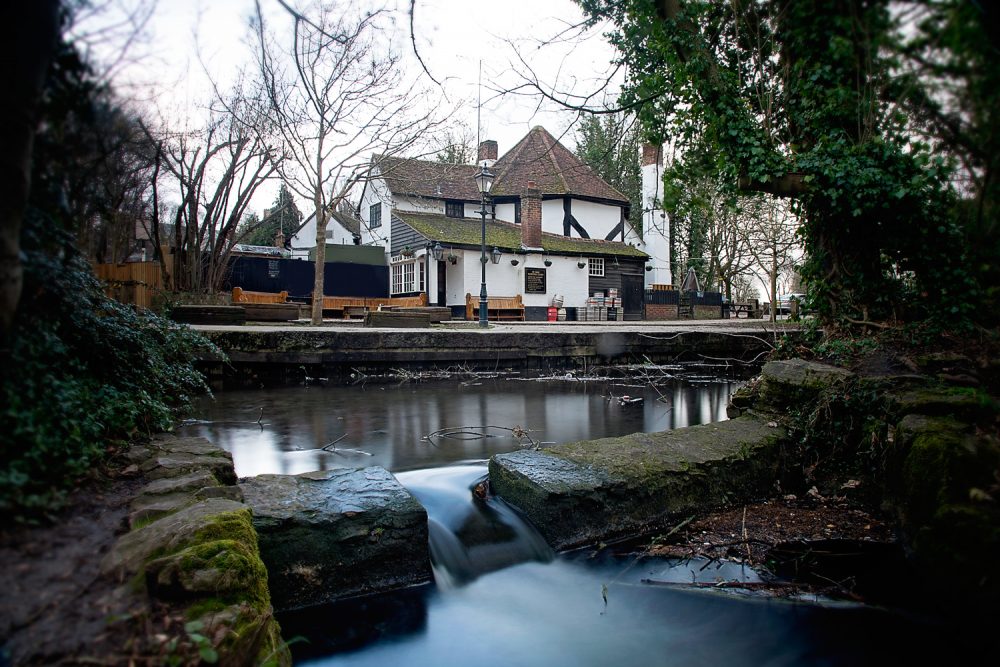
{"type": "Point", "coordinates": [484, 180]}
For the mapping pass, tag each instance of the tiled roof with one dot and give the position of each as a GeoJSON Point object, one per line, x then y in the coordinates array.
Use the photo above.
{"type": "Point", "coordinates": [541, 158]}
{"type": "Point", "coordinates": [537, 157]}
{"type": "Point", "coordinates": [427, 178]}
{"type": "Point", "coordinates": [505, 235]}
{"type": "Point", "coordinates": [348, 222]}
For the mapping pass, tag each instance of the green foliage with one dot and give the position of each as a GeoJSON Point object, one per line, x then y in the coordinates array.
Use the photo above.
{"type": "Point", "coordinates": [83, 372]}
{"type": "Point", "coordinates": [80, 372]}
{"type": "Point", "coordinates": [842, 434]}
{"type": "Point", "coordinates": [283, 216]}
{"type": "Point", "coordinates": [796, 99]}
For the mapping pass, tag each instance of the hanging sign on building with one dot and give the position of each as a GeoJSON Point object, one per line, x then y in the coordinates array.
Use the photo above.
{"type": "Point", "coordinates": [534, 281]}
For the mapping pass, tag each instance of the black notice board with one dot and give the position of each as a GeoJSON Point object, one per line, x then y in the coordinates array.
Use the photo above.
{"type": "Point", "coordinates": [534, 281]}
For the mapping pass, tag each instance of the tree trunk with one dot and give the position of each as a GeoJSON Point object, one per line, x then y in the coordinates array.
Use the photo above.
{"type": "Point", "coordinates": [28, 47]}
{"type": "Point", "coordinates": [774, 284]}
{"type": "Point", "coordinates": [317, 297]}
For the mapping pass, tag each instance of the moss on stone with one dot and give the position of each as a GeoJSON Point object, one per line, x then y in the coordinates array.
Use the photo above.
{"type": "Point", "coordinates": [960, 545]}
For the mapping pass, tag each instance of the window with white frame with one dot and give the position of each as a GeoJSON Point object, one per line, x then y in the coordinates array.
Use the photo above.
{"type": "Point", "coordinates": [406, 276]}
{"type": "Point", "coordinates": [375, 216]}
{"type": "Point", "coordinates": [597, 267]}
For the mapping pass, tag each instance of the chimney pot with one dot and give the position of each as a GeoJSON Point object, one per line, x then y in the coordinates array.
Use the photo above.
{"type": "Point", "coordinates": [487, 151]}
{"type": "Point", "coordinates": [531, 217]}
{"type": "Point", "coordinates": [652, 154]}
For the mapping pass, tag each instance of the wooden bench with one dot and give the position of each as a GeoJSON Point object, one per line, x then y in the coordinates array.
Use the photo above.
{"type": "Point", "coordinates": [751, 310]}
{"type": "Point", "coordinates": [510, 308]}
{"type": "Point", "coordinates": [340, 304]}
{"type": "Point", "coordinates": [241, 296]}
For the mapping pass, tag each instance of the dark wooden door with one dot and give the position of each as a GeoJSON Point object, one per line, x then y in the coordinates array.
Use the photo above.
{"type": "Point", "coordinates": [632, 296]}
{"type": "Point", "coordinates": [442, 285]}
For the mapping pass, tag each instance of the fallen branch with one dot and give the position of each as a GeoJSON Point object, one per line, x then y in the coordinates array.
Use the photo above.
{"type": "Point", "coordinates": [333, 444]}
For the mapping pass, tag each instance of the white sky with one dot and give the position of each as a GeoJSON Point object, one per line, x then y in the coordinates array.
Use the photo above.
{"type": "Point", "coordinates": [167, 71]}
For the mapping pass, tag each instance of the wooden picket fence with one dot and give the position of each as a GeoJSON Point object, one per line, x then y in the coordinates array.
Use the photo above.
{"type": "Point", "coordinates": [133, 283]}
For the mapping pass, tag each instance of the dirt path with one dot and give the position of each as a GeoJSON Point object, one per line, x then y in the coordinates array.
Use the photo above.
{"type": "Point", "coordinates": [55, 606]}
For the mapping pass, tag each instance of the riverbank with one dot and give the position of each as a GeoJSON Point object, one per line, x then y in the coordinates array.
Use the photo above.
{"type": "Point", "coordinates": [276, 355]}
{"type": "Point", "coordinates": [153, 562]}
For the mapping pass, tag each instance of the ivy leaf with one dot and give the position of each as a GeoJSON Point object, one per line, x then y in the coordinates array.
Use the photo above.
{"type": "Point", "coordinates": [209, 654]}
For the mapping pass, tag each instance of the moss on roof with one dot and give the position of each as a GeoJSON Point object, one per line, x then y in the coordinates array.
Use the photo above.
{"type": "Point", "coordinates": [506, 236]}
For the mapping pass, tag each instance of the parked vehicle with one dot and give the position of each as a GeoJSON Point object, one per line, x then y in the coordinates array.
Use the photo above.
{"type": "Point", "coordinates": [785, 302]}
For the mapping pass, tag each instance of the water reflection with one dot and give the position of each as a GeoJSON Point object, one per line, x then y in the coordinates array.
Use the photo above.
{"type": "Point", "coordinates": [386, 425]}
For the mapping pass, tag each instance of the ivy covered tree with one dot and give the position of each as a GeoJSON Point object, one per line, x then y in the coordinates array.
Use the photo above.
{"type": "Point", "coordinates": [795, 98]}
{"type": "Point", "coordinates": [81, 374]}
{"type": "Point", "coordinates": [609, 145]}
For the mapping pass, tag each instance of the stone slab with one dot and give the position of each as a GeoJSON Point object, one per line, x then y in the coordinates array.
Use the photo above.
{"type": "Point", "coordinates": [794, 381]}
{"type": "Point", "coordinates": [397, 319]}
{"type": "Point", "coordinates": [333, 534]}
{"type": "Point", "coordinates": [592, 491]}
{"type": "Point", "coordinates": [271, 312]}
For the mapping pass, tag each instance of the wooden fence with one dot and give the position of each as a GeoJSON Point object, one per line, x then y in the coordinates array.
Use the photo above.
{"type": "Point", "coordinates": [134, 283]}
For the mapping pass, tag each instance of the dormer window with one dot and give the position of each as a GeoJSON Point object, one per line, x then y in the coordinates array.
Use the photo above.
{"type": "Point", "coordinates": [454, 209]}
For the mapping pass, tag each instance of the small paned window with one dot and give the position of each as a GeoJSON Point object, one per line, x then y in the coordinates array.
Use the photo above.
{"type": "Point", "coordinates": [407, 276]}
{"type": "Point", "coordinates": [454, 209]}
{"type": "Point", "coordinates": [375, 216]}
{"type": "Point", "coordinates": [597, 267]}
{"type": "Point", "coordinates": [397, 278]}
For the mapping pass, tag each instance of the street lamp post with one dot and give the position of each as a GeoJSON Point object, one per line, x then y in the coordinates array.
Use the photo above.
{"type": "Point", "coordinates": [484, 181]}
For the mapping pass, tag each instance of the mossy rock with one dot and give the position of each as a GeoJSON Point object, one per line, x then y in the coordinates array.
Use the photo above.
{"type": "Point", "coordinates": [966, 404]}
{"type": "Point", "coordinates": [941, 460]}
{"type": "Point", "coordinates": [959, 548]}
{"type": "Point", "coordinates": [332, 534]}
{"type": "Point", "coordinates": [224, 568]}
{"type": "Point", "coordinates": [591, 491]}
{"type": "Point", "coordinates": [787, 385]}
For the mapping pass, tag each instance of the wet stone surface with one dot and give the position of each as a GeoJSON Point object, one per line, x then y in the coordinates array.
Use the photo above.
{"type": "Point", "coordinates": [591, 491]}
{"type": "Point", "coordinates": [332, 534]}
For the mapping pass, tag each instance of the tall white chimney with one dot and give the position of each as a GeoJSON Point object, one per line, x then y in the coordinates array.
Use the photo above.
{"type": "Point", "coordinates": [655, 224]}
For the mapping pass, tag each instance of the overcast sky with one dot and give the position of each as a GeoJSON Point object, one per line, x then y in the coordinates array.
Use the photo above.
{"type": "Point", "coordinates": [187, 37]}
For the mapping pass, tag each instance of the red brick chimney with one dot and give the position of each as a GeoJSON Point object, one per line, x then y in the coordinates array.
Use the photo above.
{"type": "Point", "coordinates": [531, 216]}
{"type": "Point", "coordinates": [487, 151]}
{"type": "Point", "coordinates": [651, 154]}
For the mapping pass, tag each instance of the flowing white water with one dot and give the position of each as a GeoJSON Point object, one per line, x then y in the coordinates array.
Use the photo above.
{"type": "Point", "coordinates": [470, 536]}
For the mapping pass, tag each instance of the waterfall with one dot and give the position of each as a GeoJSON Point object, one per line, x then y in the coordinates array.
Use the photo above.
{"type": "Point", "coordinates": [470, 536]}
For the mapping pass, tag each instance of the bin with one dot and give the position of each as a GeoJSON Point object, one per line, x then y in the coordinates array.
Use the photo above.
{"type": "Point", "coordinates": [553, 314]}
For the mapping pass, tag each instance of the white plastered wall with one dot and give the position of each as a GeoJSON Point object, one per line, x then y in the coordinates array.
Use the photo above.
{"type": "Point", "coordinates": [655, 226]}
{"type": "Point", "coordinates": [376, 191]}
{"type": "Point", "coordinates": [597, 219]}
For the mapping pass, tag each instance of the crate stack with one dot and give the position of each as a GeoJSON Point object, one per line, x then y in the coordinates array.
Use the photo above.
{"type": "Point", "coordinates": [596, 309]}
{"type": "Point", "coordinates": [614, 305]}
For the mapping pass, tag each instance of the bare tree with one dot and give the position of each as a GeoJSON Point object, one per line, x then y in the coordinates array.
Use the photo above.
{"type": "Point", "coordinates": [217, 171]}
{"type": "Point", "coordinates": [342, 104]}
{"type": "Point", "coordinates": [729, 252]}
{"type": "Point", "coordinates": [772, 240]}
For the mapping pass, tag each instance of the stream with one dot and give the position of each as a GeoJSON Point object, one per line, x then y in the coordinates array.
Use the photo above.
{"type": "Point", "coordinates": [500, 595]}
